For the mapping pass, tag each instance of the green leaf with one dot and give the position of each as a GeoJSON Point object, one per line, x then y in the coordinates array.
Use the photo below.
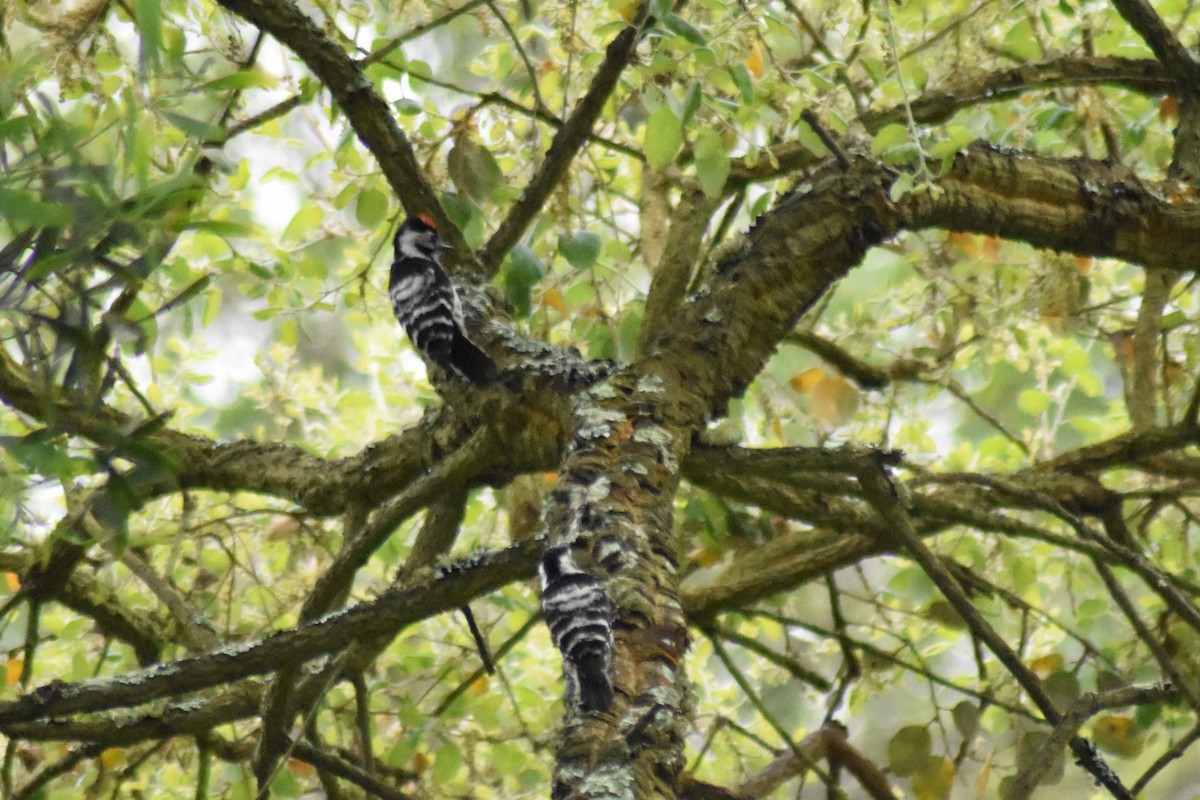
{"type": "Point", "coordinates": [1033, 402]}
{"type": "Point", "coordinates": [1063, 688]}
{"type": "Point", "coordinates": [407, 108]}
{"type": "Point", "coordinates": [221, 227]}
{"type": "Point", "coordinates": [966, 718]}
{"type": "Point", "coordinates": [474, 169]}
{"type": "Point", "coordinates": [743, 81]}
{"type": "Point", "coordinates": [680, 26]}
{"type": "Point", "coordinates": [212, 307]}
{"type": "Point", "coordinates": [580, 248]}
{"type": "Point", "coordinates": [1028, 748]}
{"type": "Point", "coordinates": [600, 342]}
{"type": "Point", "coordinates": [1021, 42]}
{"type": "Point", "coordinates": [39, 453]}
{"type": "Point", "coordinates": [627, 334]}
{"type": "Point", "coordinates": [13, 128]}
{"type": "Point", "coordinates": [524, 269]}
{"type": "Point", "coordinates": [195, 128]}
{"type": "Point", "coordinates": [909, 749]}
{"type": "Point", "coordinates": [525, 265]}
{"type": "Point", "coordinates": [446, 764]}
{"type": "Point", "coordinates": [25, 207]}
{"type": "Point", "coordinates": [242, 79]}
{"type": "Point", "coordinates": [934, 780]}
{"type": "Point", "coordinates": [889, 138]}
{"type": "Point", "coordinates": [1074, 362]}
{"type": "Point", "coordinates": [1172, 321]}
{"type": "Point", "coordinates": [303, 223]}
{"type": "Point", "coordinates": [712, 163]}
{"type": "Point", "coordinates": [370, 208]}
{"type": "Point", "coordinates": [149, 23]}
{"type": "Point", "coordinates": [901, 186]}
{"type": "Point", "coordinates": [691, 103]}
{"type": "Point", "coordinates": [664, 135]}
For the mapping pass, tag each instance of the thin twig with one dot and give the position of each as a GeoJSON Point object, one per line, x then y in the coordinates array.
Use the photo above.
{"type": "Point", "coordinates": [814, 122]}
{"type": "Point", "coordinates": [480, 642]}
{"type": "Point", "coordinates": [763, 711]}
{"type": "Point", "coordinates": [512, 35]}
{"type": "Point", "coordinates": [1175, 751]}
{"type": "Point", "coordinates": [502, 651]}
{"type": "Point", "coordinates": [881, 493]}
{"type": "Point", "coordinates": [387, 47]}
{"type": "Point", "coordinates": [566, 143]}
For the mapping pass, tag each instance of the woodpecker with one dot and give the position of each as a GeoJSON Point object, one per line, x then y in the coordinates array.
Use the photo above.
{"type": "Point", "coordinates": [425, 303]}
{"type": "Point", "coordinates": [579, 617]}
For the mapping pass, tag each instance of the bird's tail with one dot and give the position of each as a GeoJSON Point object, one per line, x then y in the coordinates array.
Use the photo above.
{"type": "Point", "coordinates": [474, 364]}
{"type": "Point", "coordinates": [595, 685]}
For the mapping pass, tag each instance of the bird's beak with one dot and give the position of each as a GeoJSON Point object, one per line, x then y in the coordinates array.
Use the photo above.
{"type": "Point", "coordinates": [443, 246]}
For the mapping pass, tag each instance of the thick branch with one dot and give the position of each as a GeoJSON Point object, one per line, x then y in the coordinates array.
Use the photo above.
{"type": "Point", "coordinates": [447, 590]}
{"type": "Point", "coordinates": [1084, 207]}
{"type": "Point", "coordinates": [321, 486]}
{"type": "Point", "coordinates": [722, 336]}
{"type": "Point", "coordinates": [614, 499]}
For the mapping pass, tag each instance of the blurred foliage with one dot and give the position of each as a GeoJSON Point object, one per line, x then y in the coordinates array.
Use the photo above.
{"type": "Point", "coordinates": [189, 233]}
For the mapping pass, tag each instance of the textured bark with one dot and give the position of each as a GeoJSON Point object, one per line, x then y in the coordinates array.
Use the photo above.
{"type": "Point", "coordinates": [615, 494]}
{"type": "Point", "coordinates": [445, 590]}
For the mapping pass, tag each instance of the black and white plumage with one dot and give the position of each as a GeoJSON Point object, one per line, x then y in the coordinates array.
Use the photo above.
{"type": "Point", "coordinates": [425, 303]}
{"type": "Point", "coordinates": [579, 617]}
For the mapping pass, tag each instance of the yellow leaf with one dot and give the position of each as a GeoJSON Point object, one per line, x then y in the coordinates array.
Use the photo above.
{"type": "Point", "coordinates": [833, 401]}
{"type": "Point", "coordinates": [803, 382]}
{"type": "Point", "coordinates": [553, 298]}
{"type": "Point", "coordinates": [754, 61]}
{"type": "Point", "coordinates": [935, 780]}
{"type": "Point", "coordinates": [12, 670]}
{"type": "Point", "coordinates": [480, 684]}
{"type": "Point", "coordinates": [13, 580]}
{"type": "Point", "coordinates": [981, 784]}
{"type": "Point", "coordinates": [113, 757]}
{"type": "Point", "coordinates": [705, 556]}
{"type": "Point", "coordinates": [1047, 664]}
{"type": "Point", "coordinates": [1119, 735]}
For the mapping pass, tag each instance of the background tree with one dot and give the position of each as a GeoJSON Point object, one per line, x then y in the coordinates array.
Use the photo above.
{"type": "Point", "coordinates": [853, 346]}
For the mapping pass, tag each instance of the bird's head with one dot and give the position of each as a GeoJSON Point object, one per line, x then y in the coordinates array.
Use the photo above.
{"type": "Point", "coordinates": [418, 238]}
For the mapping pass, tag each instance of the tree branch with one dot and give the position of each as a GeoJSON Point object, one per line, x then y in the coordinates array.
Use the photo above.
{"type": "Point", "coordinates": [447, 590]}
{"type": "Point", "coordinates": [881, 493]}
{"type": "Point", "coordinates": [1169, 50]}
{"type": "Point", "coordinates": [938, 105]}
{"type": "Point", "coordinates": [365, 110]}
{"type": "Point", "coordinates": [566, 143]}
